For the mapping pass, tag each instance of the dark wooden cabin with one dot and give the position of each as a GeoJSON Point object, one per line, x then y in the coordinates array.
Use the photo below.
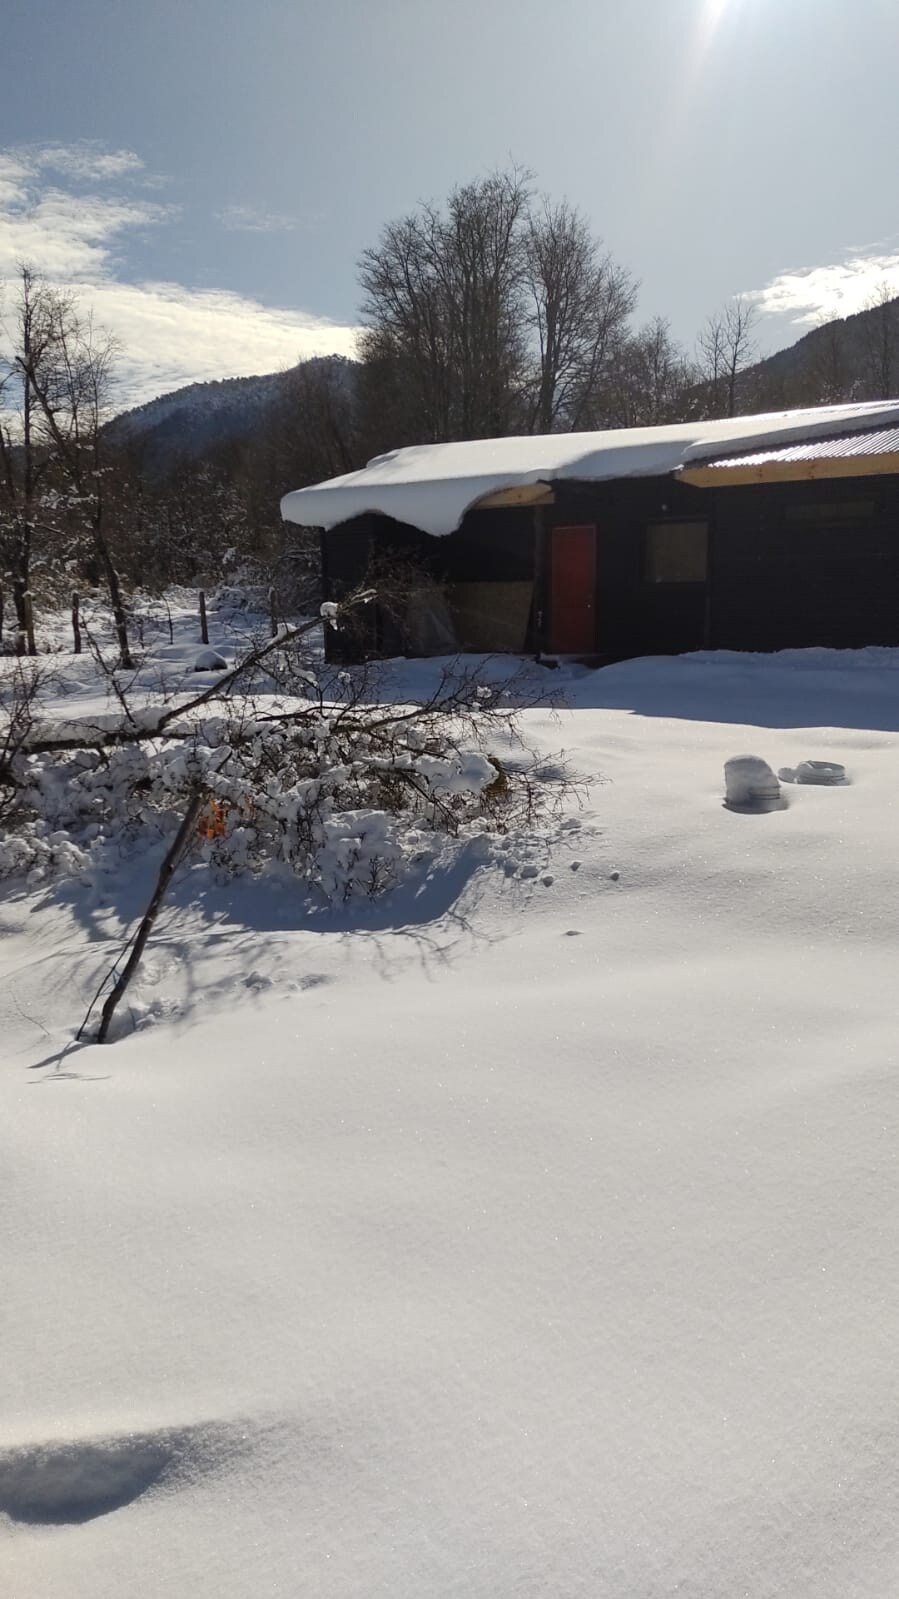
{"type": "Point", "coordinates": [783, 547]}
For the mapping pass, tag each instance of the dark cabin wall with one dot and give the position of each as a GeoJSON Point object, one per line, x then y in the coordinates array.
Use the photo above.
{"type": "Point", "coordinates": [490, 547]}
{"type": "Point", "coordinates": [634, 617]}
{"type": "Point", "coordinates": [804, 564]}
{"type": "Point", "coordinates": [501, 547]}
{"type": "Point", "coordinates": [354, 554]}
{"type": "Point", "coordinates": [791, 565]}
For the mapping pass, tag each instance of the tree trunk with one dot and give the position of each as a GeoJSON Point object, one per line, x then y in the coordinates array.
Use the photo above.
{"type": "Point", "coordinates": [29, 623]}
{"type": "Point", "coordinates": [20, 590]}
{"type": "Point", "coordinates": [115, 596]}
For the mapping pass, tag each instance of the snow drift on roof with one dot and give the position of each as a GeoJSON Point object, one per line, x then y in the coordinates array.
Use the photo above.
{"type": "Point", "coordinates": [431, 486]}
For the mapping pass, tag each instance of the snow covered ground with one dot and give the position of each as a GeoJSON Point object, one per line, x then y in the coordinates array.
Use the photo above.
{"type": "Point", "coordinates": [532, 1233]}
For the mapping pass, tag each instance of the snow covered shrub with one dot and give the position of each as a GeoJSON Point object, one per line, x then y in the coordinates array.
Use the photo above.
{"type": "Point", "coordinates": [296, 765]}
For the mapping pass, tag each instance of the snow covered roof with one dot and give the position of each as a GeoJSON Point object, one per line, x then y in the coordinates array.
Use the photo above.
{"type": "Point", "coordinates": [431, 486]}
{"type": "Point", "coordinates": [840, 447]}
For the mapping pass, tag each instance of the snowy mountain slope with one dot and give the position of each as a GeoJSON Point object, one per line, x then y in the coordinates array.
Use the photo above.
{"type": "Point", "coordinates": [851, 355]}
{"type": "Point", "coordinates": [524, 1235]}
{"type": "Point", "coordinates": [195, 420]}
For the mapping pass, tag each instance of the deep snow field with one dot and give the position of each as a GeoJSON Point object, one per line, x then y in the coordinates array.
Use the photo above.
{"type": "Point", "coordinates": [533, 1233]}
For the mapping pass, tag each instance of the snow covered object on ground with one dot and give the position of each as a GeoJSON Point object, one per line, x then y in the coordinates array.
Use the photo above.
{"type": "Point", "coordinates": [281, 760]}
{"type": "Point", "coordinates": [515, 1235]}
{"type": "Point", "coordinates": [750, 784]}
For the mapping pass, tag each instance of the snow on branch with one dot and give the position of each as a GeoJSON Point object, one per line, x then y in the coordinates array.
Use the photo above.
{"type": "Point", "coordinates": [298, 765]}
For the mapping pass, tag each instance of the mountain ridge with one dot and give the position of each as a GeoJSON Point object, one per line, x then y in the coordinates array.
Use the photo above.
{"type": "Point", "coordinates": [849, 358]}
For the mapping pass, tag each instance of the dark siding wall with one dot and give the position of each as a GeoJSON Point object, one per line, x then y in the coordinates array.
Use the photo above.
{"type": "Point", "coordinates": [346, 554]}
{"type": "Point", "coordinates": [351, 556]}
{"type": "Point", "coordinates": [777, 580]}
{"type": "Point", "coordinates": [489, 547]}
{"type": "Point", "coordinates": [635, 617]}
{"type": "Point", "coordinates": [795, 567]}
{"type": "Point", "coordinates": [492, 547]}
{"type": "Point", "coordinates": [792, 565]}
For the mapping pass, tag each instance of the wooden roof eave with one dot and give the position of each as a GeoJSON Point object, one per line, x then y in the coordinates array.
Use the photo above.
{"type": "Point", "coordinates": [518, 494]}
{"type": "Point", "coordinates": [822, 468]}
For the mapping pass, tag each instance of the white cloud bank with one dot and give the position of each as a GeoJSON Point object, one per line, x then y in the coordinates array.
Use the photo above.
{"type": "Point", "coordinates": [170, 334]}
{"type": "Point", "coordinates": [813, 294]}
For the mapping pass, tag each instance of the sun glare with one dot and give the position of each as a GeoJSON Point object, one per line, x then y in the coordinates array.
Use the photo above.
{"type": "Point", "coordinates": [713, 14]}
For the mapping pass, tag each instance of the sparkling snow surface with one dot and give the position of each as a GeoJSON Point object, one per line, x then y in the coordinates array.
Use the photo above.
{"type": "Point", "coordinates": [534, 1233]}
{"type": "Point", "coordinates": [431, 486]}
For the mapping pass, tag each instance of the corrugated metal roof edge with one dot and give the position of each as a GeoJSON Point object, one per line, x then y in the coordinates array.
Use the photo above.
{"type": "Point", "coordinates": [834, 446]}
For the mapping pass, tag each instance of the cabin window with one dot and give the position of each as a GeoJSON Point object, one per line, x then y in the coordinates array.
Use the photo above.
{"type": "Point", "coordinates": [676, 552]}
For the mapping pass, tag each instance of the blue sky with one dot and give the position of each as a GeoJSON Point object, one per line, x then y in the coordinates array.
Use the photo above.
{"type": "Point", "coordinates": [207, 172]}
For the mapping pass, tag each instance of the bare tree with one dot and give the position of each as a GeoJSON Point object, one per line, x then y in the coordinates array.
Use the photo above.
{"type": "Point", "coordinates": [443, 306]}
{"type": "Point", "coordinates": [726, 346]}
{"type": "Point", "coordinates": [653, 381]}
{"type": "Point", "coordinates": [581, 299]}
{"type": "Point", "coordinates": [70, 385]}
{"type": "Point", "coordinates": [24, 459]}
{"type": "Point", "coordinates": [830, 376]}
{"type": "Point", "coordinates": [312, 430]}
{"type": "Point", "coordinates": [881, 342]}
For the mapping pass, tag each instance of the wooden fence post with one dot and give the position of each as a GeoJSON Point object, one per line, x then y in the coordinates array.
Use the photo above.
{"type": "Point", "coordinates": [204, 625]}
{"type": "Point", "coordinates": [76, 621]}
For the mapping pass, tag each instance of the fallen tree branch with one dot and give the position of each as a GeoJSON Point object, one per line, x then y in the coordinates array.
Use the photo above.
{"type": "Point", "coordinates": [138, 732]}
{"type": "Point", "coordinates": [166, 872]}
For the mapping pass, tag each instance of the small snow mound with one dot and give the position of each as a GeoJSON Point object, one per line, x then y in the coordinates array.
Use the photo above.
{"type": "Point", "coordinates": [750, 785]}
{"type": "Point", "coordinates": [210, 661]}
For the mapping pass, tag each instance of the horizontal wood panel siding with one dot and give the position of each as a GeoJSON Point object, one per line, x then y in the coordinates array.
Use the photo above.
{"type": "Point", "coordinates": [785, 583]}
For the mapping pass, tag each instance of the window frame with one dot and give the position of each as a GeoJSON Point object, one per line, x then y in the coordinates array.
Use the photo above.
{"type": "Point", "coordinates": [675, 582]}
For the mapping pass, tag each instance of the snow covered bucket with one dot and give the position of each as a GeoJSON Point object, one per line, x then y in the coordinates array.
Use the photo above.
{"type": "Point", "coordinates": [826, 772]}
{"type": "Point", "coordinates": [750, 785]}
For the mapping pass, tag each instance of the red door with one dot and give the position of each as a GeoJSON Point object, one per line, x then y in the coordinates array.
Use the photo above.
{"type": "Point", "coordinates": [572, 624]}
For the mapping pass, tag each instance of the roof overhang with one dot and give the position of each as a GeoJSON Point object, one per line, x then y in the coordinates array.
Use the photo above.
{"type": "Point", "coordinates": [522, 494]}
{"type": "Point", "coordinates": [432, 487]}
{"type": "Point", "coordinates": [822, 468]}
